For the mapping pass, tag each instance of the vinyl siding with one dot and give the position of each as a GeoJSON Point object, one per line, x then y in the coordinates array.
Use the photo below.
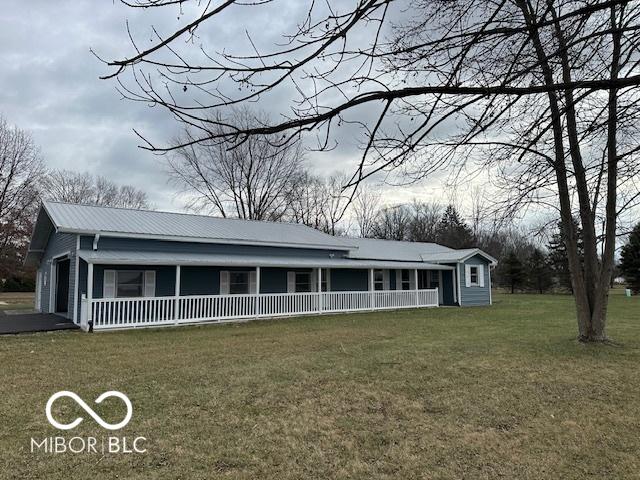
{"type": "Point", "coordinates": [58, 243]}
{"type": "Point", "coordinates": [475, 295]}
{"type": "Point", "coordinates": [112, 243]}
{"type": "Point", "coordinates": [203, 280]}
{"type": "Point", "coordinates": [165, 278]}
{"type": "Point", "coordinates": [343, 280]}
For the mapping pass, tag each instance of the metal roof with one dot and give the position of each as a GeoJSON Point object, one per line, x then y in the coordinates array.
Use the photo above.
{"type": "Point", "coordinates": [453, 256]}
{"type": "Point", "coordinates": [130, 257]}
{"type": "Point", "coordinates": [394, 249]}
{"type": "Point", "coordinates": [90, 219]}
{"type": "Point", "coordinates": [129, 223]}
{"type": "Point", "coordinates": [371, 248]}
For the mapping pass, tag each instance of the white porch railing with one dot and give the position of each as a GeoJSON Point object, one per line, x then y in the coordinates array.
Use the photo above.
{"type": "Point", "coordinates": [108, 313]}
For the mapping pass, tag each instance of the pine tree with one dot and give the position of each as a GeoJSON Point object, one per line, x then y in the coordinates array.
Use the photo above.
{"type": "Point", "coordinates": [453, 232]}
{"type": "Point", "coordinates": [558, 257]}
{"type": "Point", "coordinates": [539, 272]}
{"type": "Point", "coordinates": [513, 275]}
{"type": "Point", "coordinates": [630, 260]}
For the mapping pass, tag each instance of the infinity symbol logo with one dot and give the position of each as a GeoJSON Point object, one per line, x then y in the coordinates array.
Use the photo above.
{"type": "Point", "coordinates": [89, 410]}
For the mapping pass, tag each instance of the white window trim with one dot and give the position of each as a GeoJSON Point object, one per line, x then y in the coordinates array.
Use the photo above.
{"type": "Point", "coordinates": [479, 276]}
{"type": "Point", "coordinates": [53, 284]}
{"type": "Point", "coordinates": [148, 279]}
{"type": "Point", "coordinates": [382, 281]}
{"type": "Point", "coordinates": [312, 281]}
{"type": "Point", "coordinates": [251, 276]}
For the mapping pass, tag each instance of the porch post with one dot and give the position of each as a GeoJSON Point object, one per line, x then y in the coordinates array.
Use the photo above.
{"type": "Point", "coordinates": [258, 292]}
{"type": "Point", "coordinates": [415, 273]}
{"type": "Point", "coordinates": [371, 289]}
{"type": "Point", "coordinates": [320, 289]}
{"type": "Point", "coordinates": [176, 301]}
{"type": "Point", "coordinates": [89, 293]}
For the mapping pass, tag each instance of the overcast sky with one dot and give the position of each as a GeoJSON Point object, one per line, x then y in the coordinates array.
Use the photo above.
{"type": "Point", "coordinates": [49, 85]}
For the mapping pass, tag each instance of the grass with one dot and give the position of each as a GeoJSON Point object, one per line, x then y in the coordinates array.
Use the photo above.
{"type": "Point", "coordinates": [499, 392]}
{"type": "Point", "coordinates": [16, 301]}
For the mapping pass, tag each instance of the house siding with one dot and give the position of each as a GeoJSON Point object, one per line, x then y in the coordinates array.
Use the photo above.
{"type": "Point", "coordinates": [343, 280]}
{"type": "Point", "coordinates": [475, 295]}
{"type": "Point", "coordinates": [58, 244]}
{"type": "Point", "coordinates": [204, 280]}
{"type": "Point", "coordinates": [124, 244]}
{"type": "Point", "coordinates": [165, 278]}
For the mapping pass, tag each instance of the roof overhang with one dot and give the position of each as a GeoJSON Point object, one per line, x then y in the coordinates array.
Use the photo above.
{"type": "Point", "coordinates": [459, 256]}
{"type": "Point", "coordinates": [116, 257]}
{"type": "Point", "coordinates": [42, 230]}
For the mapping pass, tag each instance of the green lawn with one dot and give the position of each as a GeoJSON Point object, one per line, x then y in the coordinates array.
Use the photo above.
{"type": "Point", "coordinates": [498, 392]}
{"type": "Point", "coordinates": [16, 301]}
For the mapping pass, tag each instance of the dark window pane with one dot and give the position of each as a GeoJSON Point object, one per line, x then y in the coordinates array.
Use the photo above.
{"type": "Point", "coordinates": [238, 283]}
{"type": "Point", "coordinates": [129, 283]}
{"type": "Point", "coordinates": [303, 282]}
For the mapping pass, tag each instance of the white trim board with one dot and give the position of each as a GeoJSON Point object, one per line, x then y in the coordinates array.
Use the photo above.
{"type": "Point", "coordinates": [75, 283]}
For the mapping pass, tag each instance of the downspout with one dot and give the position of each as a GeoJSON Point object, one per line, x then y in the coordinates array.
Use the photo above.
{"type": "Point", "coordinates": [458, 279]}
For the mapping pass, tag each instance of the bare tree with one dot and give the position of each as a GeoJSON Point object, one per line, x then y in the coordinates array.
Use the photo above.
{"type": "Point", "coordinates": [20, 171]}
{"type": "Point", "coordinates": [425, 223]}
{"type": "Point", "coordinates": [542, 94]}
{"type": "Point", "coordinates": [336, 202]}
{"type": "Point", "coordinates": [318, 202]}
{"type": "Point", "coordinates": [366, 208]}
{"type": "Point", "coordinates": [78, 187]}
{"type": "Point", "coordinates": [251, 180]}
{"type": "Point", "coordinates": [393, 223]}
{"type": "Point", "coordinates": [306, 201]}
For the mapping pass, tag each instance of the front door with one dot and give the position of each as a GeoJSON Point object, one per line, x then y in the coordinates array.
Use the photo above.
{"type": "Point", "coordinates": [62, 286]}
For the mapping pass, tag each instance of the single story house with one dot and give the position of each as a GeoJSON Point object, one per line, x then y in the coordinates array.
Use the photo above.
{"type": "Point", "coordinates": [119, 268]}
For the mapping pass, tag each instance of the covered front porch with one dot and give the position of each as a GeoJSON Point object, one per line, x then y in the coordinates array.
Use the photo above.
{"type": "Point", "coordinates": [124, 290]}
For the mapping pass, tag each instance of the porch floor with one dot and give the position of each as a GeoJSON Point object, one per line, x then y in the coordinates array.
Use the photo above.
{"type": "Point", "coordinates": [33, 322]}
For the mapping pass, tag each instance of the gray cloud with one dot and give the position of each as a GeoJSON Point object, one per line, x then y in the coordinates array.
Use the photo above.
{"type": "Point", "coordinates": [49, 85]}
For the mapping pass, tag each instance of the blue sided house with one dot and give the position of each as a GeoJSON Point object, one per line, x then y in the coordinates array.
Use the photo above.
{"type": "Point", "coordinates": [109, 268]}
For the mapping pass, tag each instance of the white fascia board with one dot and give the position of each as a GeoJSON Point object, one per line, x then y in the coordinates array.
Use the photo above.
{"type": "Point", "coordinates": [477, 251]}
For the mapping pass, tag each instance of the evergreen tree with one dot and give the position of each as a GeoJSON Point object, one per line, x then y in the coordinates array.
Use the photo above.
{"type": "Point", "coordinates": [513, 275]}
{"type": "Point", "coordinates": [558, 257]}
{"type": "Point", "coordinates": [453, 232]}
{"type": "Point", "coordinates": [539, 272]}
{"type": "Point", "coordinates": [630, 260]}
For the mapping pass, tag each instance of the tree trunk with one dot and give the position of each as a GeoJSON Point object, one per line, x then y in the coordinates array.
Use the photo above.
{"type": "Point", "coordinates": [590, 321]}
{"type": "Point", "coordinates": [599, 314]}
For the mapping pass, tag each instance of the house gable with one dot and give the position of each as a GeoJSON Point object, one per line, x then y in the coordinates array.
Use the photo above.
{"type": "Point", "coordinates": [475, 294]}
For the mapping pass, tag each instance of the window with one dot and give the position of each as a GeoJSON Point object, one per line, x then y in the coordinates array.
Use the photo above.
{"type": "Point", "coordinates": [130, 283]}
{"type": "Point", "coordinates": [378, 280]}
{"type": "Point", "coordinates": [473, 276]}
{"type": "Point", "coordinates": [238, 283]}
{"type": "Point", "coordinates": [324, 280]}
{"type": "Point", "coordinates": [435, 279]}
{"type": "Point", "coordinates": [303, 282]}
{"type": "Point", "coordinates": [406, 280]}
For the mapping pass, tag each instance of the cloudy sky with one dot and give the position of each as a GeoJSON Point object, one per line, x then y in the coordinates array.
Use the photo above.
{"type": "Point", "coordinates": [49, 85]}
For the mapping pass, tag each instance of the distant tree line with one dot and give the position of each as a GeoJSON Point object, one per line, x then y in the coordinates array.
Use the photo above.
{"type": "Point", "coordinates": [524, 264]}
{"type": "Point", "coordinates": [630, 260]}
{"type": "Point", "coordinates": [24, 182]}
{"type": "Point", "coordinates": [262, 180]}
